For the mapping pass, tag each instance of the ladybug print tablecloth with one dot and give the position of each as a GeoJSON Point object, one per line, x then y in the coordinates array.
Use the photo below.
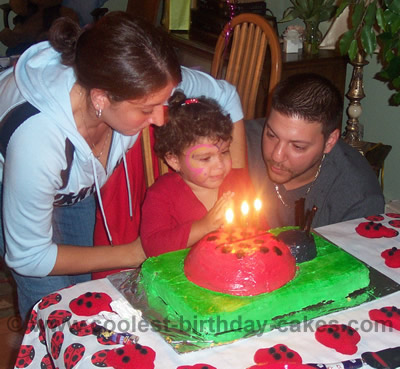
{"type": "Point", "coordinates": [62, 331]}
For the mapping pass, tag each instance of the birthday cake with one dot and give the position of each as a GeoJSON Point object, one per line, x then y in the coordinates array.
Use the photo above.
{"type": "Point", "coordinates": [332, 281]}
{"type": "Point", "coordinates": [244, 262]}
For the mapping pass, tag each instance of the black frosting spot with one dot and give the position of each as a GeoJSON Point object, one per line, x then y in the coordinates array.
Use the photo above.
{"type": "Point", "coordinates": [301, 244]}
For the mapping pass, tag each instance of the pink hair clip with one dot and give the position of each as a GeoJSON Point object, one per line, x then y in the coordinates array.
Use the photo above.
{"type": "Point", "coordinates": [191, 101]}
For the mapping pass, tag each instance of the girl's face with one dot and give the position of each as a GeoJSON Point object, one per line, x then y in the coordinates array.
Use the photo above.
{"type": "Point", "coordinates": [204, 164]}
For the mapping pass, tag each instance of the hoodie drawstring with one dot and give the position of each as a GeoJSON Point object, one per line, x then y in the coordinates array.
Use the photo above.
{"type": "Point", "coordinates": [96, 183]}
{"type": "Point", "coordinates": [128, 186]}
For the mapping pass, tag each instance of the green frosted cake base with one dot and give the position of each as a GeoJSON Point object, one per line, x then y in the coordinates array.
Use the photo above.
{"type": "Point", "coordinates": [333, 281]}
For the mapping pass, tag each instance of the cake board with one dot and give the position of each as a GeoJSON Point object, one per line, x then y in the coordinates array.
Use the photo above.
{"type": "Point", "coordinates": [183, 338]}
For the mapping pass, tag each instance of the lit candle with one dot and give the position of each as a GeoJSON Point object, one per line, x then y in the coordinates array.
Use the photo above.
{"type": "Point", "coordinates": [245, 212]}
{"type": "Point", "coordinates": [257, 207]}
{"type": "Point", "coordinates": [229, 219]}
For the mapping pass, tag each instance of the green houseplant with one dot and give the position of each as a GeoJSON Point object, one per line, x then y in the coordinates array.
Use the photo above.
{"type": "Point", "coordinates": [375, 23]}
{"type": "Point", "coordinates": [312, 13]}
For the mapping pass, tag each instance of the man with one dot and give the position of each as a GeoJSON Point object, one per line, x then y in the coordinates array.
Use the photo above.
{"type": "Point", "coordinates": [304, 158]}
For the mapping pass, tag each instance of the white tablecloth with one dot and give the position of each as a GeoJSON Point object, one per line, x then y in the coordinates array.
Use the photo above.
{"type": "Point", "coordinates": [240, 354]}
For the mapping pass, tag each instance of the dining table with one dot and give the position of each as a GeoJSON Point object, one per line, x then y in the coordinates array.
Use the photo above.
{"type": "Point", "coordinates": [93, 324]}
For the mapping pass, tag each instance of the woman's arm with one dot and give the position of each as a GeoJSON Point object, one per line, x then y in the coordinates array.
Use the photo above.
{"type": "Point", "coordinates": [238, 147]}
{"type": "Point", "coordinates": [76, 260]}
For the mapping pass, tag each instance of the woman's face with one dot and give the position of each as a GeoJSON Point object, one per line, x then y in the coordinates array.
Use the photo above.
{"type": "Point", "coordinates": [129, 117]}
{"type": "Point", "coordinates": [205, 164]}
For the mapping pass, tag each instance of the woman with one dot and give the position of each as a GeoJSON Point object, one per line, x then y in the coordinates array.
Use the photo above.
{"type": "Point", "coordinates": [70, 111]}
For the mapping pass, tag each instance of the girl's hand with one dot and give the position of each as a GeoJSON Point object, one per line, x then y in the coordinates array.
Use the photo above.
{"type": "Point", "coordinates": [216, 216]}
{"type": "Point", "coordinates": [214, 219]}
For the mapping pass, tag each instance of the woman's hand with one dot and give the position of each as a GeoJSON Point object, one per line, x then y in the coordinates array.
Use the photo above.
{"type": "Point", "coordinates": [137, 254]}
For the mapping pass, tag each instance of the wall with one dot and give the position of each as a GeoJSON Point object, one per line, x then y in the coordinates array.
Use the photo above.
{"type": "Point", "coordinates": [381, 121]}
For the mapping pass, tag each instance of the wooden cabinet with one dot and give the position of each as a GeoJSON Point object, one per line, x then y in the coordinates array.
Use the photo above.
{"type": "Point", "coordinates": [196, 51]}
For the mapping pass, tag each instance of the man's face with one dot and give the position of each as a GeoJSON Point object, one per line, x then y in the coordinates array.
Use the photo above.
{"type": "Point", "coordinates": [293, 149]}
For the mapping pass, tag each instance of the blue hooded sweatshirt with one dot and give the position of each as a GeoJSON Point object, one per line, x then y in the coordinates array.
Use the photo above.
{"type": "Point", "coordinates": [48, 163]}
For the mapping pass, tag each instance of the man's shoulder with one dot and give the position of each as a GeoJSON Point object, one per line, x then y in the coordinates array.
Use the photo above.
{"type": "Point", "coordinates": [349, 173]}
{"type": "Point", "coordinates": [348, 159]}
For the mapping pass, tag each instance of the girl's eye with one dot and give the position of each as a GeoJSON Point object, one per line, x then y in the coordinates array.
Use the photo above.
{"type": "Point", "coordinates": [207, 158]}
{"type": "Point", "coordinates": [147, 112]}
{"type": "Point", "coordinates": [225, 152]}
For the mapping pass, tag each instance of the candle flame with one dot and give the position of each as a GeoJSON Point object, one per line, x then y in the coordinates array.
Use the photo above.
{"type": "Point", "coordinates": [257, 204]}
{"type": "Point", "coordinates": [245, 208]}
{"type": "Point", "coordinates": [229, 215]}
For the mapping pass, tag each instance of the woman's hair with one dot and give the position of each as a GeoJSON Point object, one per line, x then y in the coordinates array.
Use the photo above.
{"type": "Point", "coordinates": [121, 54]}
{"type": "Point", "coordinates": [310, 97]}
{"type": "Point", "coordinates": [188, 121]}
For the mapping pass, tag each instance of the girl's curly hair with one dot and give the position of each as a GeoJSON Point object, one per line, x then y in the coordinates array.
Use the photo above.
{"type": "Point", "coordinates": [188, 121]}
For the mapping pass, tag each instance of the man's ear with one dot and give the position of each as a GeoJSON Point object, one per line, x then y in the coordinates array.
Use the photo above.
{"type": "Point", "coordinates": [331, 141]}
{"type": "Point", "coordinates": [173, 161]}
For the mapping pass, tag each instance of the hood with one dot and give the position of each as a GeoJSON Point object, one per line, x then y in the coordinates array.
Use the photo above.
{"type": "Point", "coordinates": [46, 83]}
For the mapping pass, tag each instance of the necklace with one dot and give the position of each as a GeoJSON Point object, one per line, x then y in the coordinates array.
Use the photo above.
{"type": "Point", "coordinates": [98, 156]}
{"type": "Point", "coordinates": [308, 189]}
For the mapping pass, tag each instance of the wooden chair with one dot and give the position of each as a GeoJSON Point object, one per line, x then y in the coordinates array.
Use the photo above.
{"type": "Point", "coordinates": [153, 166]}
{"type": "Point", "coordinates": [240, 58]}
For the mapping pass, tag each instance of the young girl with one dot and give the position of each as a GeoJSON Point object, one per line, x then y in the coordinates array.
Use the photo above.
{"type": "Point", "coordinates": [182, 207]}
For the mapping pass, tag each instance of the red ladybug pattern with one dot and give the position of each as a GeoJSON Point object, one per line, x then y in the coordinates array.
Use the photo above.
{"type": "Point", "coordinates": [340, 337]}
{"type": "Point", "coordinates": [196, 366]}
{"type": "Point", "coordinates": [131, 356]}
{"type": "Point", "coordinates": [81, 328]}
{"type": "Point", "coordinates": [90, 303]}
{"type": "Point", "coordinates": [279, 353]}
{"type": "Point", "coordinates": [58, 317]}
{"type": "Point", "coordinates": [25, 356]}
{"type": "Point", "coordinates": [375, 218]}
{"type": "Point", "coordinates": [99, 358]}
{"type": "Point", "coordinates": [42, 334]}
{"type": "Point", "coordinates": [395, 223]}
{"type": "Point", "coordinates": [73, 354]}
{"type": "Point", "coordinates": [375, 230]}
{"type": "Point", "coordinates": [46, 362]}
{"type": "Point", "coordinates": [49, 300]}
{"type": "Point", "coordinates": [388, 316]}
{"type": "Point", "coordinates": [392, 257]}
{"type": "Point", "coordinates": [281, 366]}
{"type": "Point", "coordinates": [32, 322]}
{"type": "Point", "coordinates": [393, 215]}
{"type": "Point", "coordinates": [56, 343]}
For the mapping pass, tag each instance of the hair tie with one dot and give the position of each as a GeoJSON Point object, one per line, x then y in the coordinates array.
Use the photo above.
{"type": "Point", "coordinates": [190, 101]}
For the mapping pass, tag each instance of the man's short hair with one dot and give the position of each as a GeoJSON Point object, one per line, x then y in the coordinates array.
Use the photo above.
{"type": "Point", "coordinates": [310, 97]}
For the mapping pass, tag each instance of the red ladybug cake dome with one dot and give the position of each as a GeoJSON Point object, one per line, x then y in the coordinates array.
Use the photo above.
{"type": "Point", "coordinates": [244, 262]}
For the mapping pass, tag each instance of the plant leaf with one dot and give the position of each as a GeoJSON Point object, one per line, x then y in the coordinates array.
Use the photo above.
{"type": "Point", "coordinates": [394, 6]}
{"type": "Point", "coordinates": [396, 99]}
{"type": "Point", "coordinates": [353, 50]}
{"type": "Point", "coordinates": [345, 41]}
{"type": "Point", "coordinates": [381, 19]}
{"type": "Point", "coordinates": [396, 83]}
{"type": "Point", "coordinates": [357, 15]}
{"type": "Point", "coordinates": [343, 5]}
{"type": "Point", "coordinates": [368, 40]}
{"type": "Point", "coordinates": [370, 14]}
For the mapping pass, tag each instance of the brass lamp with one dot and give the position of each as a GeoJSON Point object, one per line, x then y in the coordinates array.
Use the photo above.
{"type": "Point", "coordinates": [353, 134]}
